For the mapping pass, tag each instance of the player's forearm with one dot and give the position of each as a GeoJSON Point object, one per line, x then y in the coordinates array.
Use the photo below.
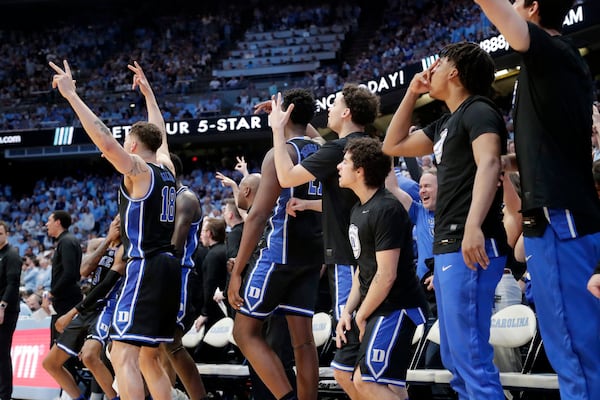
{"type": "Point", "coordinates": [90, 261]}
{"type": "Point", "coordinates": [253, 229]}
{"type": "Point", "coordinates": [93, 126]}
{"type": "Point", "coordinates": [484, 191]}
{"type": "Point", "coordinates": [283, 161]}
{"type": "Point", "coordinates": [354, 297]}
{"type": "Point", "coordinates": [154, 114]}
{"type": "Point", "coordinates": [378, 290]}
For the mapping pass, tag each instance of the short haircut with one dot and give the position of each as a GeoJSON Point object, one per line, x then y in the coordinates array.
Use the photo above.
{"type": "Point", "coordinates": [304, 105]}
{"type": "Point", "coordinates": [216, 227]}
{"type": "Point", "coordinates": [552, 12]}
{"type": "Point", "coordinates": [5, 225]}
{"type": "Point", "coordinates": [475, 66]}
{"type": "Point", "coordinates": [230, 203]}
{"type": "Point", "coordinates": [366, 153]}
{"type": "Point", "coordinates": [64, 218]}
{"type": "Point", "coordinates": [178, 164]}
{"type": "Point", "coordinates": [363, 104]}
{"type": "Point", "coordinates": [149, 134]}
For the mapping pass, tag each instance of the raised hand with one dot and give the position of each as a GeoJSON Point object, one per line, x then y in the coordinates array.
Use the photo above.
{"type": "Point", "coordinates": [421, 82]}
{"type": "Point", "coordinates": [279, 118]}
{"type": "Point", "coordinates": [139, 79]}
{"type": "Point", "coordinates": [226, 181]}
{"type": "Point", "coordinates": [63, 79]}
{"type": "Point", "coordinates": [241, 166]}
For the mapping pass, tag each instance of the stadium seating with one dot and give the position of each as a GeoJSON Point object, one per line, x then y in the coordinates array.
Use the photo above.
{"type": "Point", "coordinates": [513, 327]}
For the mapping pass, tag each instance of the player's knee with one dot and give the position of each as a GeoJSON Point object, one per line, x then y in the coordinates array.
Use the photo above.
{"type": "Point", "coordinates": [88, 358]}
{"type": "Point", "coordinates": [51, 363]}
{"type": "Point", "coordinates": [149, 356]}
{"type": "Point", "coordinates": [360, 385]}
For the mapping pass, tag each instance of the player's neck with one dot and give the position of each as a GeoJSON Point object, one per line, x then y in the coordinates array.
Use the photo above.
{"type": "Point", "coordinates": [364, 193]}
{"type": "Point", "coordinates": [349, 128]}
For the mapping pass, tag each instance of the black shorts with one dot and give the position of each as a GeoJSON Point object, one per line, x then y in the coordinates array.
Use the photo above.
{"type": "Point", "coordinates": [290, 289]}
{"type": "Point", "coordinates": [79, 329]}
{"type": "Point", "coordinates": [384, 353]}
{"type": "Point", "coordinates": [146, 310]}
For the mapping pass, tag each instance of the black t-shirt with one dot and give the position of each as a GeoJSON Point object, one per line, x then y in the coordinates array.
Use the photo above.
{"type": "Point", "coordinates": [383, 224]}
{"type": "Point", "coordinates": [337, 202]}
{"type": "Point", "coordinates": [452, 136]}
{"type": "Point", "coordinates": [553, 106]}
{"type": "Point", "coordinates": [233, 239]}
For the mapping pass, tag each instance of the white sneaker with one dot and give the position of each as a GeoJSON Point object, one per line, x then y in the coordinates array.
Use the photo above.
{"type": "Point", "coordinates": [177, 394]}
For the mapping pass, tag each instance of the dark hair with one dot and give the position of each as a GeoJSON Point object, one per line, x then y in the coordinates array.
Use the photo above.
{"type": "Point", "coordinates": [552, 12]}
{"type": "Point", "coordinates": [148, 133]}
{"type": "Point", "coordinates": [178, 164]}
{"type": "Point", "coordinates": [64, 218]}
{"type": "Point", "coordinates": [5, 225]}
{"type": "Point", "coordinates": [363, 104]}
{"type": "Point", "coordinates": [596, 171]}
{"type": "Point", "coordinates": [475, 66]}
{"type": "Point", "coordinates": [366, 153]}
{"type": "Point", "coordinates": [304, 105]}
{"type": "Point", "coordinates": [216, 227]}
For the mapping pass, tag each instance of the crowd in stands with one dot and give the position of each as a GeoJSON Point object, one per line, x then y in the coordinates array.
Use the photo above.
{"type": "Point", "coordinates": [181, 51]}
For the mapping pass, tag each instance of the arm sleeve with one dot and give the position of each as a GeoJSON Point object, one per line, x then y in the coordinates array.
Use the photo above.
{"type": "Point", "coordinates": [99, 291]}
{"type": "Point", "coordinates": [480, 118]}
{"type": "Point", "coordinates": [390, 236]}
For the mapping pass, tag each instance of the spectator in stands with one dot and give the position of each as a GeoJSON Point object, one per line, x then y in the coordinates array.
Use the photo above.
{"type": "Point", "coordinates": [44, 275]}
{"type": "Point", "coordinates": [29, 273]}
{"type": "Point", "coordinates": [10, 273]}
{"type": "Point", "coordinates": [557, 186]}
{"type": "Point", "coordinates": [34, 302]}
{"type": "Point", "coordinates": [469, 239]}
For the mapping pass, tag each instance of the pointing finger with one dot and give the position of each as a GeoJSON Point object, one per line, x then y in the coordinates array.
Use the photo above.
{"type": "Point", "coordinates": [56, 68]}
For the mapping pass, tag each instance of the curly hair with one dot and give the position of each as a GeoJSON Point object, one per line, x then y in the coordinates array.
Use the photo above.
{"type": "Point", "coordinates": [304, 105]}
{"type": "Point", "coordinates": [475, 66]}
{"type": "Point", "coordinates": [363, 104]}
{"type": "Point", "coordinates": [366, 153]}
